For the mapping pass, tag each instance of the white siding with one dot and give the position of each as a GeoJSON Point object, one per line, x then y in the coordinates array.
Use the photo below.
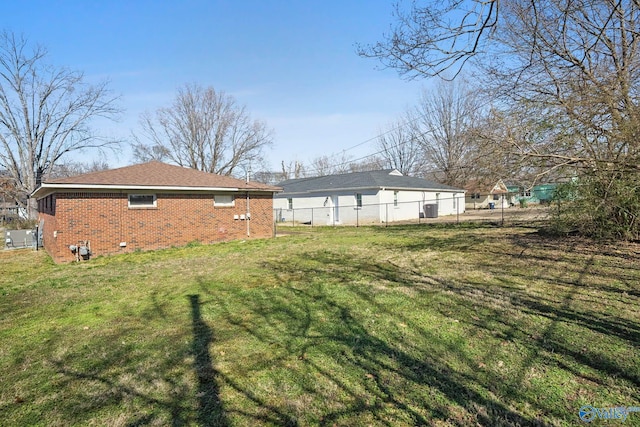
{"type": "Point", "coordinates": [483, 202]}
{"type": "Point", "coordinates": [377, 206]}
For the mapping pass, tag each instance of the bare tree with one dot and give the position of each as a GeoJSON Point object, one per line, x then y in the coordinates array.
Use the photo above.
{"type": "Point", "coordinates": [576, 63]}
{"type": "Point", "coordinates": [442, 123]}
{"type": "Point", "coordinates": [45, 113]}
{"type": "Point", "coordinates": [72, 168]}
{"type": "Point", "coordinates": [572, 66]}
{"type": "Point", "coordinates": [329, 165]}
{"type": "Point", "coordinates": [497, 133]}
{"type": "Point", "coordinates": [322, 166]}
{"type": "Point", "coordinates": [292, 170]}
{"type": "Point", "coordinates": [400, 148]}
{"type": "Point", "coordinates": [203, 129]}
{"type": "Point", "coordinates": [369, 163]}
{"type": "Point", "coordinates": [435, 38]}
{"type": "Point", "coordinates": [577, 67]}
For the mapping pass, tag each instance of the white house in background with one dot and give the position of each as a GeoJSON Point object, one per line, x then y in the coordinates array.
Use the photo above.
{"type": "Point", "coordinates": [365, 197]}
{"type": "Point", "coordinates": [487, 197]}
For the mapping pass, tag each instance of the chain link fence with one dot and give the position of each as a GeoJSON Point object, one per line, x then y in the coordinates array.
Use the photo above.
{"type": "Point", "coordinates": [22, 238]}
{"type": "Point", "coordinates": [504, 209]}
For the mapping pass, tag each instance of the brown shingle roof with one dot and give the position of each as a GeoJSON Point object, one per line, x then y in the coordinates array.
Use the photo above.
{"type": "Point", "coordinates": [158, 174]}
{"type": "Point", "coordinates": [483, 187]}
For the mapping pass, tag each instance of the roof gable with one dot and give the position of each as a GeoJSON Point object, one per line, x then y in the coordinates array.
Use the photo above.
{"type": "Point", "coordinates": [499, 188]}
{"type": "Point", "coordinates": [483, 187]}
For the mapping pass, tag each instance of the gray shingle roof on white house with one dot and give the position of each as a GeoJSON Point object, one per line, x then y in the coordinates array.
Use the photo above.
{"type": "Point", "coordinates": [380, 179]}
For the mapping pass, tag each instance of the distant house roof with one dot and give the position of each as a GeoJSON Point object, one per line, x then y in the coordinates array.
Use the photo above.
{"type": "Point", "coordinates": [474, 187]}
{"type": "Point", "coordinates": [387, 179]}
{"type": "Point", "coordinates": [151, 176]}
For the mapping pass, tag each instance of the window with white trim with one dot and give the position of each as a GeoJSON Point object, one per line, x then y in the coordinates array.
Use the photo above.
{"type": "Point", "coordinates": [290, 204]}
{"type": "Point", "coordinates": [358, 200]}
{"type": "Point", "coordinates": [223, 200]}
{"type": "Point", "coordinates": [142, 201]}
{"type": "Point", "coordinates": [395, 199]}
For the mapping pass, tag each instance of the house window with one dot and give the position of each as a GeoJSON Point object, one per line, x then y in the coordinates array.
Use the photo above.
{"type": "Point", "coordinates": [475, 196]}
{"type": "Point", "coordinates": [47, 204]}
{"type": "Point", "coordinates": [395, 198]}
{"type": "Point", "coordinates": [525, 193]}
{"type": "Point", "coordinates": [496, 197]}
{"type": "Point", "coordinates": [142, 201]}
{"type": "Point", "coordinates": [454, 201]}
{"type": "Point", "coordinates": [358, 200]}
{"type": "Point", "coordinates": [290, 204]}
{"type": "Point", "coordinates": [223, 200]}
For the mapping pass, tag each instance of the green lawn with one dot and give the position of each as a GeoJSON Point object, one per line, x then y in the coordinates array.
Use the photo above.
{"type": "Point", "coordinates": [410, 325]}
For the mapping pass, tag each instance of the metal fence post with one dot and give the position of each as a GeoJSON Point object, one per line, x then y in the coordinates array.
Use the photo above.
{"type": "Point", "coordinates": [386, 219]}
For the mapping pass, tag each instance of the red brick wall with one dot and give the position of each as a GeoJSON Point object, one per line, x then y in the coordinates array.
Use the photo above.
{"type": "Point", "coordinates": [105, 220]}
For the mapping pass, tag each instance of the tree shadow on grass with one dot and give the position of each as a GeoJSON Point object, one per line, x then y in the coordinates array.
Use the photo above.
{"type": "Point", "coordinates": [565, 265]}
{"type": "Point", "coordinates": [325, 342]}
{"type": "Point", "coordinates": [210, 409]}
{"type": "Point", "coordinates": [109, 373]}
{"type": "Point", "coordinates": [103, 391]}
{"type": "Point", "coordinates": [396, 371]}
{"type": "Point", "coordinates": [266, 413]}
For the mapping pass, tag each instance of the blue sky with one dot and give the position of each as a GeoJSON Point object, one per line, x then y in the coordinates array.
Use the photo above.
{"type": "Point", "coordinates": [292, 63]}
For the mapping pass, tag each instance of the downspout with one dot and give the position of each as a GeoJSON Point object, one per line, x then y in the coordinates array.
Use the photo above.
{"type": "Point", "coordinates": [248, 213]}
{"type": "Point", "coordinates": [121, 215]}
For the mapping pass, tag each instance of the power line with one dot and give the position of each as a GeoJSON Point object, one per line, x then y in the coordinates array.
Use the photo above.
{"type": "Point", "coordinates": [405, 123]}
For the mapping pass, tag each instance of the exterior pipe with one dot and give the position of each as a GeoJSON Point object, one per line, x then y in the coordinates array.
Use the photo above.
{"type": "Point", "coordinates": [248, 217]}
{"type": "Point", "coordinates": [248, 212]}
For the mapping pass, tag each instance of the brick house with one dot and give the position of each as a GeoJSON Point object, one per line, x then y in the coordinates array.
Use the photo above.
{"type": "Point", "coordinates": [149, 206]}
